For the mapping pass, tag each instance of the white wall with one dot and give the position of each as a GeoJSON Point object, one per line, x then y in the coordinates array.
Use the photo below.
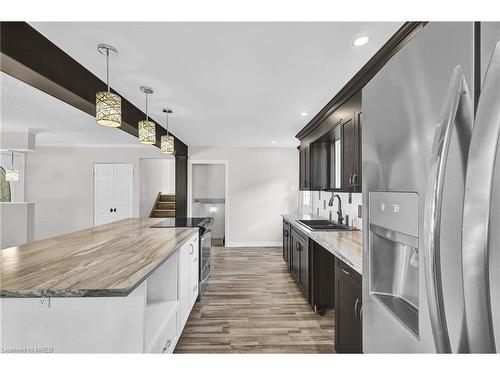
{"type": "Point", "coordinates": [263, 184]}
{"type": "Point", "coordinates": [156, 175]}
{"type": "Point", "coordinates": [59, 181]}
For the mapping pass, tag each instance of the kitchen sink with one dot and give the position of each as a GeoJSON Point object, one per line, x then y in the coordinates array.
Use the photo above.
{"type": "Point", "coordinates": [323, 225]}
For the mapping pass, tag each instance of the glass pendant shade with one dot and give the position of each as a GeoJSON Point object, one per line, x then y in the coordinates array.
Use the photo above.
{"type": "Point", "coordinates": [12, 175]}
{"type": "Point", "coordinates": [108, 108]}
{"type": "Point", "coordinates": [147, 132]}
{"type": "Point", "coordinates": [167, 144]}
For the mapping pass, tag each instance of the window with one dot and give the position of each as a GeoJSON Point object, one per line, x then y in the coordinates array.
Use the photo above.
{"type": "Point", "coordinates": [306, 202]}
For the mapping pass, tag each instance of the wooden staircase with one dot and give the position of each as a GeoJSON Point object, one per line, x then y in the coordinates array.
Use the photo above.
{"type": "Point", "coordinates": [164, 206]}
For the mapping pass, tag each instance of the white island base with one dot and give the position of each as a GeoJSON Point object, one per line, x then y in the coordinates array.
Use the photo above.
{"type": "Point", "coordinates": [149, 320]}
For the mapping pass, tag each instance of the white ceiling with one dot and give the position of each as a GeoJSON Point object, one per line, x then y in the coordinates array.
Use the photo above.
{"type": "Point", "coordinates": [230, 84]}
{"type": "Point", "coordinates": [24, 108]}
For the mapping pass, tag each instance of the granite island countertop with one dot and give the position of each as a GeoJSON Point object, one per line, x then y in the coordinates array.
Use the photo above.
{"type": "Point", "coordinates": [103, 261]}
{"type": "Point", "coordinates": [347, 245]}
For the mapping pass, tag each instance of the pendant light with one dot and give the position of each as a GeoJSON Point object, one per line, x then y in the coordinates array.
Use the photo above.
{"type": "Point", "coordinates": [108, 106]}
{"type": "Point", "coordinates": [147, 129]}
{"type": "Point", "coordinates": [12, 174]}
{"type": "Point", "coordinates": [167, 141]}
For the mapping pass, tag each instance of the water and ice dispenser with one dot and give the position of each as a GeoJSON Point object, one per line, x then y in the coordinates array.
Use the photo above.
{"type": "Point", "coordinates": [393, 242]}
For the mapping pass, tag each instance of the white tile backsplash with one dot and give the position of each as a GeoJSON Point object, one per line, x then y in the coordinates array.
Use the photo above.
{"type": "Point", "coordinates": [320, 206]}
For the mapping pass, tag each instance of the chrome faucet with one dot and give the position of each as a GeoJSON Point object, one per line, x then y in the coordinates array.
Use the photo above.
{"type": "Point", "coordinates": [340, 219]}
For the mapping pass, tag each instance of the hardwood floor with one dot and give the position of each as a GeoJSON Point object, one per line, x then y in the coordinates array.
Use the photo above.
{"type": "Point", "coordinates": [253, 305]}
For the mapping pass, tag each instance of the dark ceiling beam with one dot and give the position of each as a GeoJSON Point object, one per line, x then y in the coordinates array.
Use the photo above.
{"type": "Point", "coordinates": [30, 57]}
{"type": "Point", "coordinates": [365, 74]}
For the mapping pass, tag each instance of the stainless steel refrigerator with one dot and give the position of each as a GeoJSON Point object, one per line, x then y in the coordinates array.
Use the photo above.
{"type": "Point", "coordinates": [431, 194]}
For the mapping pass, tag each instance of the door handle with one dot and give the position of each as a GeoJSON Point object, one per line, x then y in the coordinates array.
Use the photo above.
{"type": "Point", "coordinates": [345, 271]}
{"type": "Point", "coordinates": [457, 112]}
{"type": "Point", "coordinates": [477, 210]}
{"type": "Point", "coordinates": [356, 314]}
{"type": "Point", "coordinates": [167, 346]}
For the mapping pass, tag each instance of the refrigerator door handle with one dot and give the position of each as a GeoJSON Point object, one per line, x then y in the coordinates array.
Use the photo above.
{"type": "Point", "coordinates": [476, 214]}
{"type": "Point", "coordinates": [457, 113]}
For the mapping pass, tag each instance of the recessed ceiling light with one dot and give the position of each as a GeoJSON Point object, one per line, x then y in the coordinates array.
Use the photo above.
{"type": "Point", "coordinates": [303, 114]}
{"type": "Point", "coordinates": [273, 142]}
{"type": "Point", "coordinates": [360, 41]}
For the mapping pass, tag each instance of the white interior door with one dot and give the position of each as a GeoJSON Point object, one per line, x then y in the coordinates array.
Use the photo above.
{"type": "Point", "coordinates": [123, 174]}
{"type": "Point", "coordinates": [113, 184]}
{"type": "Point", "coordinates": [104, 195]}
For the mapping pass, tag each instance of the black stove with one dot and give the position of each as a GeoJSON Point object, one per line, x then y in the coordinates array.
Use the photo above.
{"type": "Point", "coordinates": [203, 223]}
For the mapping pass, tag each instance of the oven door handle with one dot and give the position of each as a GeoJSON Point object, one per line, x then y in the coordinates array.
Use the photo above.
{"type": "Point", "coordinates": [206, 234]}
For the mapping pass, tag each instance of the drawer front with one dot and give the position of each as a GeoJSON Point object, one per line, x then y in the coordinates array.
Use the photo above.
{"type": "Point", "coordinates": [168, 336]}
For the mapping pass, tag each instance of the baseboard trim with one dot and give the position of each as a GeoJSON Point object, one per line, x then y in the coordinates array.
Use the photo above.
{"type": "Point", "coordinates": [254, 244]}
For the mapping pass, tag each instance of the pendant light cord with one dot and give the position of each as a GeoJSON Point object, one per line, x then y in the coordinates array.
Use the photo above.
{"type": "Point", "coordinates": [107, 68]}
{"type": "Point", "coordinates": [167, 123]}
{"type": "Point", "coordinates": [12, 160]}
{"type": "Point", "coordinates": [147, 117]}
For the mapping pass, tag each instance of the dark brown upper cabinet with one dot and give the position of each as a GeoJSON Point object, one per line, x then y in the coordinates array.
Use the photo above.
{"type": "Point", "coordinates": [351, 156]}
{"type": "Point", "coordinates": [318, 171]}
{"type": "Point", "coordinates": [330, 157]}
{"type": "Point", "coordinates": [304, 169]}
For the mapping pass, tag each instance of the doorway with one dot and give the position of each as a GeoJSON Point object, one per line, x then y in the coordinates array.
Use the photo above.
{"type": "Point", "coordinates": [208, 195]}
{"type": "Point", "coordinates": [113, 192]}
{"type": "Point", "coordinates": [156, 180]}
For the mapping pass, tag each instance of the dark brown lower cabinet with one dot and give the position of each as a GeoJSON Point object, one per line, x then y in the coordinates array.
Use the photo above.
{"type": "Point", "coordinates": [322, 278]}
{"type": "Point", "coordinates": [286, 242]}
{"type": "Point", "coordinates": [300, 260]}
{"type": "Point", "coordinates": [348, 308]}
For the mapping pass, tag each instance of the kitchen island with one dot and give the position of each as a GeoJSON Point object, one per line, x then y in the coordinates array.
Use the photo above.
{"type": "Point", "coordinates": [119, 287]}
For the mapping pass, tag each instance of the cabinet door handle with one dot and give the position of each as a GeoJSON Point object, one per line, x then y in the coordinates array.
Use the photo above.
{"type": "Point", "coordinates": [354, 178]}
{"type": "Point", "coordinates": [110, 210]}
{"type": "Point", "coordinates": [298, 246]}
{"type": "Point", "coordinates": [194, 288]}
{"type": "Point", "coordinates": [356, 309]}
{"type": "Point", "coordinates": [286, 232]}
{"type": "Point", "coordinates": [114, 210]}
{"type": "Point", "coordinates": [192, 249]}
{"type": "Point", "coordinates": [345, 271]}
{"type": "Point", "coordinates": [195, 259]}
